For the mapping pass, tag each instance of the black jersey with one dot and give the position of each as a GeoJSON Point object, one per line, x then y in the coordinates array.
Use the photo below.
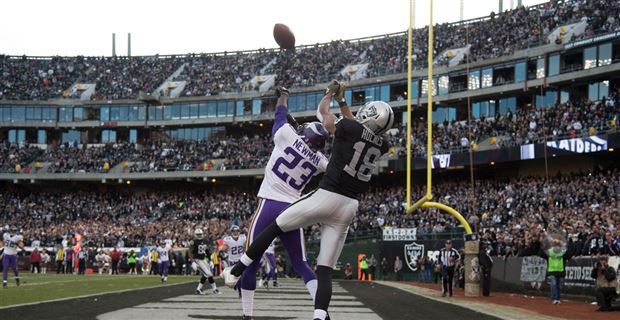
{"type": "Point", "coordinates": [200, 249]}
{"type": "Point", "coordinates": [355, 153]}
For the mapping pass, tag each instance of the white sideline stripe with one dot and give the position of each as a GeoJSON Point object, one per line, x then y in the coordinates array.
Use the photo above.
{"type": "Point", "coordinates": [91, 295]}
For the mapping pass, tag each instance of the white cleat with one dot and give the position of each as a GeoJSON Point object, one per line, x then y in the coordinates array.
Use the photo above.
{"type": "Point", "coordinates": [229, 279]}
{"type": "Point", "coordinates": [216, 291]}
{"type": "Point", "coordinates": [200, 292]}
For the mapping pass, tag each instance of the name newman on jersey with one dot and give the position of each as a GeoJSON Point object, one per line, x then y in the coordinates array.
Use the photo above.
{"type": "Point", "coordinates": [290, 167]}
{"type": "Point", "coordinates": [307, 152]}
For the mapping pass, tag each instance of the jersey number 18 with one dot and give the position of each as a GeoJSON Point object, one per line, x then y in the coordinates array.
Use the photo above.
{"type": "Point", "coordinates": [369, 156]}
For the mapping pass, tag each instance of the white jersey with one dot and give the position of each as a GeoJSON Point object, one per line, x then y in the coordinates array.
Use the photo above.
{"type": "Point", "coordinates": [236, 248]}
{"type": "Point", "coordinates": [10, 243]}
{"type": "Point", "coordinates": [291, 166]}
{"type": "Point", "coordinates": [163, 254]}
{"type": "Point", "coordinates": [272, 248]}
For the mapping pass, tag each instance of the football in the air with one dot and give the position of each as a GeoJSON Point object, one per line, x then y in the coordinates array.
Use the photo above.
{"type": "Point", "coordinates": [283, 36]}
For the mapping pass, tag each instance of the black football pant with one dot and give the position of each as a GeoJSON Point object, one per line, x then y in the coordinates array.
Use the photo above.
{"type": "Point", "coordinates": [486, 282]}
{"type": "Point", "coordinates": [447, 277]}
{"type": "Point", "coordinates": [604, 296]}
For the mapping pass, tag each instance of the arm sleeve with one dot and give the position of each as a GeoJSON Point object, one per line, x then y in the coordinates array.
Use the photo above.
{"type": "Point", "coordinates": [280, 118]}
{"type": "Point", "coordinates": [458, 255]}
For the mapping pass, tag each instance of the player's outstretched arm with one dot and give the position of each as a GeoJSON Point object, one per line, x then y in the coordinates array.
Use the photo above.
{"type": "Point", "coordinates": [338, 89]}
{"type": "Point", "coordinates": [281, 115]}
{"type": "Point", "coordinates": [327, 118]}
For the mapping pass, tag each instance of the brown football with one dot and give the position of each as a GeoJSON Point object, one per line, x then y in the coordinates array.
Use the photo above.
{"type": "Point", "coordinates": [283, 36]}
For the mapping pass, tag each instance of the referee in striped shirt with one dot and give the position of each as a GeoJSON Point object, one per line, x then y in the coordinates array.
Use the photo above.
{"type": "Point", "coordinates": [448, 258]}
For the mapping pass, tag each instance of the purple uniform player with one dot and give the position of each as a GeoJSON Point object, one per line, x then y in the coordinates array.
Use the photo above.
{"type": "Point", "coordinates": [163, 254]}
{"type": "Point", "coordinates": [10, 241]}
{"type": "Point", "coordinates": [269, 265]}
{"type": "Point", "coordinates": [295, 159]}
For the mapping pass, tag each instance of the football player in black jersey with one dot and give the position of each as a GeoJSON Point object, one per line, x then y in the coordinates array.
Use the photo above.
{"type": "Point", "coordinates": [198, 251]}
{"type": "Point", "coordinates": [358, 145]}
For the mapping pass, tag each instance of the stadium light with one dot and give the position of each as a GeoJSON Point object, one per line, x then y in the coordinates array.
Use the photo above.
{"type": "Point", "coordinates": [610, 149]}
{"type": "Point", "coordinates": [213, 180]}
{"type": "Point", "coordinates": [128, 181]}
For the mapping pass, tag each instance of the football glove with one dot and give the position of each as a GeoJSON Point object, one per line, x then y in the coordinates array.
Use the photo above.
{"type": "Point", "coordinates": [280, 91]}
{"type": "Point", "coordinates": [333, 88]}
{"type": "Point", "coordinates": [340, 95]}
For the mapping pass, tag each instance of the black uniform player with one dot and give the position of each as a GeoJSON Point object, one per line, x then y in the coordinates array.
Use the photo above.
{"type": "Point", "coordinates": [358, 144]}
{"type": "Point", "coordinates": [199, 252]}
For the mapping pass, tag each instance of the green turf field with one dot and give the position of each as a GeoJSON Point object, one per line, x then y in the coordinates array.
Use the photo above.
{"type": "Point", "coordinates": [43, 287]}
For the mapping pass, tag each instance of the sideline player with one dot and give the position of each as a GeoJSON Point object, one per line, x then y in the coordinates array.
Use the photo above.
{"type": "Point", "coordinates": [358, 145]}
{"type": "Point", "coordinates": [198, 251]}
{"type": "Point", "coordinates": [163, 260]}
{"type": "Point", "coordinates": [11, 240]}
{"type": "Point", "coordinates": [295, 159]}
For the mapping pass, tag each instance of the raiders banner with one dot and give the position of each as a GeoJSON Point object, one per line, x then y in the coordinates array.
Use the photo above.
{"type": "Point", "coordinates": [562, 147]}
{"type": "Point", "coordinates": [412, 251]}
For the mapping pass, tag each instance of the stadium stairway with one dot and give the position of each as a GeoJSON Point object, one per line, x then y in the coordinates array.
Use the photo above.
{"type": "Point", "coordinates": [354, 72]}
{"type": "Point", "coordinates": [174, 88]}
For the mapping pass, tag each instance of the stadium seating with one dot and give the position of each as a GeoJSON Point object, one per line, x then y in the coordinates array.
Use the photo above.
{"type": "Point", "coordinates": [25, 78]}
{"type": "Point", "coordinates": [508, 208]}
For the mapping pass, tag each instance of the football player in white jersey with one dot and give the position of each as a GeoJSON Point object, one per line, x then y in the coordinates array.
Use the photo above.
{"type": "Point", "coordinates": [234, 245]}
{"type": "Point", "coordinates": [163, 260]}
{"type": "Point", "coordinates": [11, 240]}
{"type": "Point", "coordinates": [295, 159]}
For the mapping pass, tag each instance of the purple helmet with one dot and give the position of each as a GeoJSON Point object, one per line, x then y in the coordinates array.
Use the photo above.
{"type": "Point", "coordinates": [314, 134]}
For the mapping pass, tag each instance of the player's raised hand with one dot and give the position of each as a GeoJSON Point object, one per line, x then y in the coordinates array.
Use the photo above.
{"type": "Point", "coordinates": [333, 88]}
{"type": "Point", "coordinates": [340, 95]}
{"type": "Point", "coordinates": [280, 91]}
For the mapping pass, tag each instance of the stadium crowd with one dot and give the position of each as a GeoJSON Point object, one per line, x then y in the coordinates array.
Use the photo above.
{"type": "Point", "coordinates": [232, 153]}
{"type": "Point", "coordinates": [124, 78]}
{"type": "Point", "coordinates": [585, 207]}
{"type": "Point", "coordinates": [23, 78]}
{"type": "Point", "coordinates": [527, 125]}
{"type": "Point", "coordinates": [570, 119]}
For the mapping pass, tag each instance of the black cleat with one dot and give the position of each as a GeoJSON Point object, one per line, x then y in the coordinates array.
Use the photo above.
{"type": "Point", "coordinates": [17, 281]}
{"type": "Point", "coordinates": [275, 284]}
{"type": "Point", "coordinates": [246, 318]}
